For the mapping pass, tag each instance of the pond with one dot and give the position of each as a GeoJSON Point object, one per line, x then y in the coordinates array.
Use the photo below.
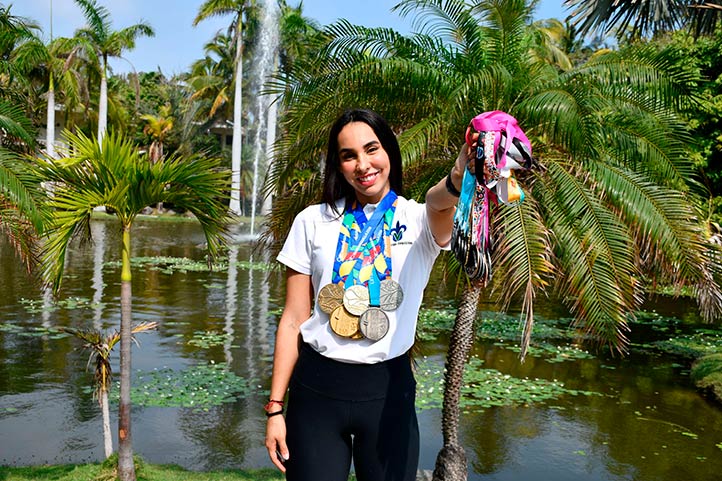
{"type": "Point", "coordinates": [608, 418]}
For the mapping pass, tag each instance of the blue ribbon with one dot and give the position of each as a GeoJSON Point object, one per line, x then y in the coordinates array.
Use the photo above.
{"type": "Point", "coordinates": [370, 229]}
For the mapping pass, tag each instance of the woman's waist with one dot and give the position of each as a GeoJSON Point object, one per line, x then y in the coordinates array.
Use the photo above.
{"type": "Point", "coordinates": [347, 381]}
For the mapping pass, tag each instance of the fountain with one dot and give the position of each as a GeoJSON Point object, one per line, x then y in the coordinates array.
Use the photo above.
{"type": "Point", "coordinates": [264, 62]}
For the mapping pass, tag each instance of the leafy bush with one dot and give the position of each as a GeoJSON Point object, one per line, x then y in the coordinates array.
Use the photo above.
{"type": "Point", "coordinates": [707, 374]}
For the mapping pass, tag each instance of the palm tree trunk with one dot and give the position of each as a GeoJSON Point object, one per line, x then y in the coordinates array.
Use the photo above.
{"type": "Point", "coordinates": [103, 104]}
{"type": "Point", "coordinates": [451, 462]}
{"type": "Point", "coordinates": [126, 468]}
{"type": "Point", "coordinates": [107, 435]}
{"type": "Point", "coordinates": [235, 203]}
{"type": "Point", "coordinates": [50, 124]}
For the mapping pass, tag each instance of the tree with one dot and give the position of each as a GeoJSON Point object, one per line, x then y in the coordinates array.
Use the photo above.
{"type": "Point", "coordinates": [157, 128]}
{"type": "Point", "coordinates": [211, 79]}
{"type": "Point", "coordinates": [101, 346]}
{"type": "Point", "coordinates": [235, 8]}
{"type": "Point", "coordinates": [114, 174]}
{"type": "Point", "coordinates": [22, 213]}
{"type": "Point", "coordinates": [97, 42]}
{"type": "Point", "coordinates": [48, 66]}
{"type": "Point", "coordinates": [644, 17]}
{"type": "Point", "coordinates": [611, 202]}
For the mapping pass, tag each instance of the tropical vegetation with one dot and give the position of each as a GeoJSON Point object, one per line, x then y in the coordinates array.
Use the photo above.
{"type": "Point", "coordinates": [114, 175]}
{"type": "Point", "coordinates": [621, 103]}
{"type": "Point", "coordinates": [613, 199]}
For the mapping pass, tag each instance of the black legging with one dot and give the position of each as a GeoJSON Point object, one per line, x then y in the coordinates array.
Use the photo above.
{"type": "Point", "coordinates": [339, 411]}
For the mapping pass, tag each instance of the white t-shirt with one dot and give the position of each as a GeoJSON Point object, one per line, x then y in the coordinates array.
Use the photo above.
{"type": "Point", "coordinates": [310, 249]}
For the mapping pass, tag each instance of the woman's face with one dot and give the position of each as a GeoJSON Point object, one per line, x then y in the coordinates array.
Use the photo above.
{"type": "Point", "coordinates": [363, 162]}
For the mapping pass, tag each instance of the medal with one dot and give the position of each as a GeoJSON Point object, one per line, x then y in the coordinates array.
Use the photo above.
{"type": "Point", "coordinates": [330, 297]}
{"type": "Point", "coordinates": [391, 295]}
{"type": "Point", "coordinates": [356, 299]}
{"type": "Point", "coordinates": [344, 323]}
{"type": "Point", "coordinates": [374, 324]}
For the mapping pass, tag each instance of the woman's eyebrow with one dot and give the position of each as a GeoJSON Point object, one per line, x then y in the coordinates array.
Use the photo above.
{"type": "Point", "coordinates": [371, 143]}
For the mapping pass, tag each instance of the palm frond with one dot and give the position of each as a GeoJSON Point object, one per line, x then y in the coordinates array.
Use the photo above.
{"type": "Point", "coordinates": [522, 259]}
{"type": "Point", "coordinates": [98, 18]}
{"type": "Point", "coordinates": [595, 250]}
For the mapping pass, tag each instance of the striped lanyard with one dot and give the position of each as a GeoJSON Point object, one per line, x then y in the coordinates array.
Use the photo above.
{"type": "Point", "coordinates": [362, 251]}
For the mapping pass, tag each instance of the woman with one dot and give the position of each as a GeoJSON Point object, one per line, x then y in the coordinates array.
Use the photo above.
{"type": "Point", "coordinates": [358, 262]}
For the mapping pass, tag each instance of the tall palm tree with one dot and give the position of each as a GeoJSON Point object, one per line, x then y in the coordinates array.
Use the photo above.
{"type": "Point", "coordinates": [48, 66]}
{"type": "Point", "coordinates": [101, 346]}
{"type": "Point", "coordinates": [236, 9]}
{"type": "Point", "coordinates": [644, 17]}
{"type": "Point", "coordinates": [611, 202]}
{"type": "Point", "coordinates": [97, 42]}
{"type": "Point", "coordinates": [115, 175]}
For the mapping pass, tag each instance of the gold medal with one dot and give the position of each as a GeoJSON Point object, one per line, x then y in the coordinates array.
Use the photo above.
{"type": "Point", "coordinates": [391, 295]}
{"type": "Point", "coordinates": [374, 324]}
{"type": "Point", "coordinates": [356, 299]}
{"type": "Point", "coordinates": [330, 297]}
{"type": "Point", "coordinates": [344, 323]}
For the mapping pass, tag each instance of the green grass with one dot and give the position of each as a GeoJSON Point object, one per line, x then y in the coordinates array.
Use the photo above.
{"type": "Point", "coordinates": [144, 472]}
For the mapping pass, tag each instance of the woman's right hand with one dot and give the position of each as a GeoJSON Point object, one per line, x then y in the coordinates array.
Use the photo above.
{"type": "Point", "coordinates": [276, 441]}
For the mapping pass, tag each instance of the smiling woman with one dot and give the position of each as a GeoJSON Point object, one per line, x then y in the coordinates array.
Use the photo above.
{"type": "Point", "coordinates": [362, 258]}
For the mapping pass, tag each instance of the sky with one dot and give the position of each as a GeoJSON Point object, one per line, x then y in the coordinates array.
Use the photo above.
{"type": "Point", "coordinates": [177, 44]}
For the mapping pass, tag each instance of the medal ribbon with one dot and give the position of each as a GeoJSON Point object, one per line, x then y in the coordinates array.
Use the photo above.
{"type": "Point", "coordinates": [361, 248]}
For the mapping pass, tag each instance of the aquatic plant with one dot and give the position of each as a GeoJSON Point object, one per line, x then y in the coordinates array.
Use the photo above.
{"type": "Point", "coordinates": [485, 388]}
{"type": "Point", "coordinates": [199, 387]}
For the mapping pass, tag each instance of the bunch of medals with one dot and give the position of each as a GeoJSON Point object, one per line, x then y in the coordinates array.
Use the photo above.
{"type": "Point", "coordinates": [362, 291]}
{"type": "Point", "coordinates": [471, 240]}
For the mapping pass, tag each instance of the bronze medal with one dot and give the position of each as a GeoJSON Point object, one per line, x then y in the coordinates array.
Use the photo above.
{"type": "Point", "coordinates": [374, 324]}
{"type": "Point", "coordinates": [330, 297]}
{"type": "Point", "coordinates": [356, 299]}
{"type": "Point", "coordinates": [391, 295]}
{"type": "Point", "coordinates": [344, 323]}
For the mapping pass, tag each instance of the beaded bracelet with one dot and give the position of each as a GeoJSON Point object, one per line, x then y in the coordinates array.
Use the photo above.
{"type": "Point", "coordinates": [450, 187]}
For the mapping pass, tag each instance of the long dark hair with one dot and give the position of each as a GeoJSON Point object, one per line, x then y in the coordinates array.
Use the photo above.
{"type": "Point", "coordinates": [335, 186]}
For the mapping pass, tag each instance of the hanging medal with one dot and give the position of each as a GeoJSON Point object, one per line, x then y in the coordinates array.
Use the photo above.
{"type": "Point", "coordinates": [362, 289]}
{"type": "Point", "coordinates": [374, 323]}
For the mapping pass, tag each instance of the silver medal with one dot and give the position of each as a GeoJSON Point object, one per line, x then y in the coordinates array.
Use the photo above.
{"type": "Point", "coordinates": [374, 324]}
{"type": "Point", "coordinates": [391, 295]}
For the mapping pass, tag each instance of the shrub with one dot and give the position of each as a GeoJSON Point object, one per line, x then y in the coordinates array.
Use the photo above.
{"type": "Point", "coordinates": [707, 375]}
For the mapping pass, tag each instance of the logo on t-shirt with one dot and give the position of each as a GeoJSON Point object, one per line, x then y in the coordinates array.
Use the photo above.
{"type": "Point", "coordinates": [397, 232]}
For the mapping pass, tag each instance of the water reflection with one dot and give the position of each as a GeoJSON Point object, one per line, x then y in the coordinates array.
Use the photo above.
{"type": "Point", "coordinates": [647, 424]}
{"type": "Point", "coordinates": [97, 231]}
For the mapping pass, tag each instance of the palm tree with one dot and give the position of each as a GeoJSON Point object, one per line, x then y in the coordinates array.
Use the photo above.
{"type": "Point", "coordinates": [644, 17]}
{"type": "Point", "coordinates": [235, 8]}
{"type": "Point", "coordinates": [211, 79]}
{"type": "Point", "coordinates": [22, 213]}
{"type": "Point", "coordinates": [101, 346]}
{"type": "Point", "coordinates": [97, 42]}
{"type": "Point", "coordinates": [49, 66]}
{"type": "Point", "coordinates": [611, 204]}
{"type": "Point", "coordinates": [115, 175]}
{"type": "Point", "coordinates": [157, 127]}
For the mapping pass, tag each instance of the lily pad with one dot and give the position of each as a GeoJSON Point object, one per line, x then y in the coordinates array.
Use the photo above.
{"type": "Point", "coordinates": [199, 387]}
